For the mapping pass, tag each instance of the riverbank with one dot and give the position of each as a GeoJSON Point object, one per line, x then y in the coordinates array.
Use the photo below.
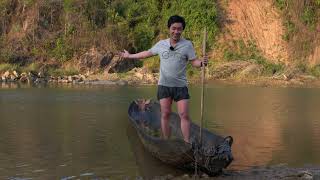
{"type": "Point", "coordinates": [241, 73]}
{"type": "Point", "coordinates": [139, 76]}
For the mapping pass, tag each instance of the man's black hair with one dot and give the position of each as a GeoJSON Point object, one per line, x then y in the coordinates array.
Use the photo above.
{"type": "Point", "coordinates": [176, 19]}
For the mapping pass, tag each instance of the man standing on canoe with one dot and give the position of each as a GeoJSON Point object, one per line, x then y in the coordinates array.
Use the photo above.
{"type": "Point", "coordinates": [175, 53]}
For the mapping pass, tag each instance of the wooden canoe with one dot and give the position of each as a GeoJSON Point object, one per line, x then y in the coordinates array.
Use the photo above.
{"type": "Point", "coordinates": [212, 155]}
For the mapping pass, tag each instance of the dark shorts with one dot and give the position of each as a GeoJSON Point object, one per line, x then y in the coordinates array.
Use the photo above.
{"type": "Point", "coordinates": [175, 93]}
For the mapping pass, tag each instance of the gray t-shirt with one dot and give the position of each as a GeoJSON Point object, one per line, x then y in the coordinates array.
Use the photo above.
{"type": "Point", "coordinates": [173, 63]}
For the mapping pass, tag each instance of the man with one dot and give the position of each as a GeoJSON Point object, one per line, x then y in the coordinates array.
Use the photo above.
{"type": "Point", "coordinates": [175, 52]}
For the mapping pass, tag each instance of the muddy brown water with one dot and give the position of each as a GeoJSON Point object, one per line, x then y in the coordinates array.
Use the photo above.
{"type": "Point", "coordinates": [83, 132]}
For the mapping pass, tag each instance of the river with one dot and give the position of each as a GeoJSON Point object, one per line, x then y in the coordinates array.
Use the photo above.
{"type": "Point", "coordinates": [82, 131]}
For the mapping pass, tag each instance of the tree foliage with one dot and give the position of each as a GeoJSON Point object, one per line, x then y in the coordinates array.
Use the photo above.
{"type": "Point", "coordinates": [63, 25]}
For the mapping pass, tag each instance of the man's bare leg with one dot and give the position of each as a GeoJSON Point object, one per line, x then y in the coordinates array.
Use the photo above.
{"type": "Point", "coordinates": [183, 110]}
{"type": "Point", "coordinates": [165, 105]}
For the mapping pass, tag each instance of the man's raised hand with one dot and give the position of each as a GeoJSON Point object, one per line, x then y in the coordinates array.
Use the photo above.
{"type": "Point", "coordinates": [124, 54]}
{"type": "Point", "coordinates": [205, 60]}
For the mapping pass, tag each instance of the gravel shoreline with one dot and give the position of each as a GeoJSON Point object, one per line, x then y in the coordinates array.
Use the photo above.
{"type": "Point", "coordinates": [262, 173]}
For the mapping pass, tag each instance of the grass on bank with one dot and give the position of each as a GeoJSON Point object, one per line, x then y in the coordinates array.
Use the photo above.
{"type": "Point", "coordinates": [7, 67]}
{"type": "Point", "coordinates": [63, 72]}
{"type": "Point", "coordinates": [314, 71]}
{"type": "Point", "coordinates": [152, 64]}
{"type": "Point", "coordinates": [248, 51]}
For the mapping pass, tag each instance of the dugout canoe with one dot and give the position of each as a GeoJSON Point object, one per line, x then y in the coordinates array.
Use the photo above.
{"type": "Point", "coordinates": [212, 155]}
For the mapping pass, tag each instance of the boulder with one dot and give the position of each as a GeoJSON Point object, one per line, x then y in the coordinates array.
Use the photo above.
{"type": "Point", "coordinates": [16, 74]}
{"type": "Point", "coordinates": [120, 65]}
{"type": "Point", "coordinates": [40, 80]}
{"type": "Point", "coordinates": [6, 74]}
{"type": "Point", "coordinates": [94, 61]}
{"type": "Point", "coordinates": [82, 77]}
{"type": "Point", "coordinates": [251, 70]}
{"type": "Point", "coordinates": [24, 79]}
{"type": "Point", "coordinates": [12, 78]}
{"type": "Point", "coordinates": [32, 75]}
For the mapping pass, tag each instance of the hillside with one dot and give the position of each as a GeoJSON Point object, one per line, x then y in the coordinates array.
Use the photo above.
{"type": "Point", "coordinates": [83, 36]}
{"type": "Point", "coordinates": [284, 31]}
{"type": "Point", "coordinates": [257, 21]}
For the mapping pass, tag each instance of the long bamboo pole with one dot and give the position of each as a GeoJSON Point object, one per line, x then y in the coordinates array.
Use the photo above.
{"type": "Point", "coordinates": [202, 97]}
{"type": "Point", "coordinates": [202, 82]}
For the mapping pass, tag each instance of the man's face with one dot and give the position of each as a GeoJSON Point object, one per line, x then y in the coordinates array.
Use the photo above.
{"type": "Point", "coordinates": [176, 30]}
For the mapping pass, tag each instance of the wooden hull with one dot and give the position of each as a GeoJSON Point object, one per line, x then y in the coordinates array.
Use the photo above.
{"type": "Point", "coordinates": [212, 155]}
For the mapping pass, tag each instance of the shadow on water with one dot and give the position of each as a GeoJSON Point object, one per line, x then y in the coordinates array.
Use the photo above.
{"type": "Point", "coordinates": [149, 166]}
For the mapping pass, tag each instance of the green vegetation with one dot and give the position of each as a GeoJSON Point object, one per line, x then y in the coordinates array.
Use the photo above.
{"type": "Point", "coordinates": [69, 26]}
{"type": "Point", "coordinates": [15, 67]}
{"type": "Point", "coordinates": [31, 67]}
{"type": "Point", "coordinates": [281, 4]}
{"type": "Point", "coordinates": [5, 55]}
{"type": "Point", "coordinates": [61, 30]}
{"type": "Point", "coordinates": [196, 17]}
{"type": "Point", "coordinates": [315, 71]}
{"type": "Point", "coordinates": [242, 51]}
{"type": "Point", "coordinates": [7, 67]}
{"type": "Point", "coordinates": [63, 72]}
{"type": "Point", "coordinates": [28, 3]}
{"type": "Point", "coordinates": [62, 51]}
{"type": "Point", "coordinates": [300, 19]}
{"type": "Point", "coordinates": [248, 51]}
{"type": "Point", "coordinates": [152, 64]}
{"type": "Point", "coordinates": [309, 16]}
{"type": "Point", "coordinates": [290, 30]}
{"type": "Point", "coordinates": [193, 72]}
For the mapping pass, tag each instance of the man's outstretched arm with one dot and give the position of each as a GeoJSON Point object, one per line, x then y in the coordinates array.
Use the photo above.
{"type": "Point", "coordinates": [140, 55]}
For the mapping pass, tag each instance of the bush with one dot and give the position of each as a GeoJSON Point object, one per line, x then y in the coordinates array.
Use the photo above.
{"type": "Point", "coordinates": [63, 72]}
{"type": "Point", "coordinates": [290, 29]}
{"type": "Point", "coordinates": [272, 68]}
{"type": "Point", "coordinates": [152, 64]}
{"type": "Point", "coordinates": [7, 67]}
{"type": "Point", "coordinates": [193, 72]}
{"type": "Point", "coordinates": [302, 67]}
{"type": "Point", "coordinates": [309, 16]}
{"type": "Point", "coordinates": [62, 51]}
{"type": "Point", "coordinates": [231, 55]}
{"type": "Point", "coordinates": [142, 37]}
{"type": "Point", "coordinates": [315, 71]}
{"type": "Point", "coordinates": [31, 67]}
{"type": "Point", "coordinates": [241, 50]}
{"type": "Point", "coordinates": [281, 4]}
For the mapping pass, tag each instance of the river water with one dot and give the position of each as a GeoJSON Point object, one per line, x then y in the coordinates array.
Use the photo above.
{"type": "Point", "coordinates": [83, 132]}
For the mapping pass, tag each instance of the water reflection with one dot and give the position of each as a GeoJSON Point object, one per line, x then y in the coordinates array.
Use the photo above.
{"type": "Point", "coordinates": [269, 125]}
{"type": "Point", "coordinates": [148, 166]}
